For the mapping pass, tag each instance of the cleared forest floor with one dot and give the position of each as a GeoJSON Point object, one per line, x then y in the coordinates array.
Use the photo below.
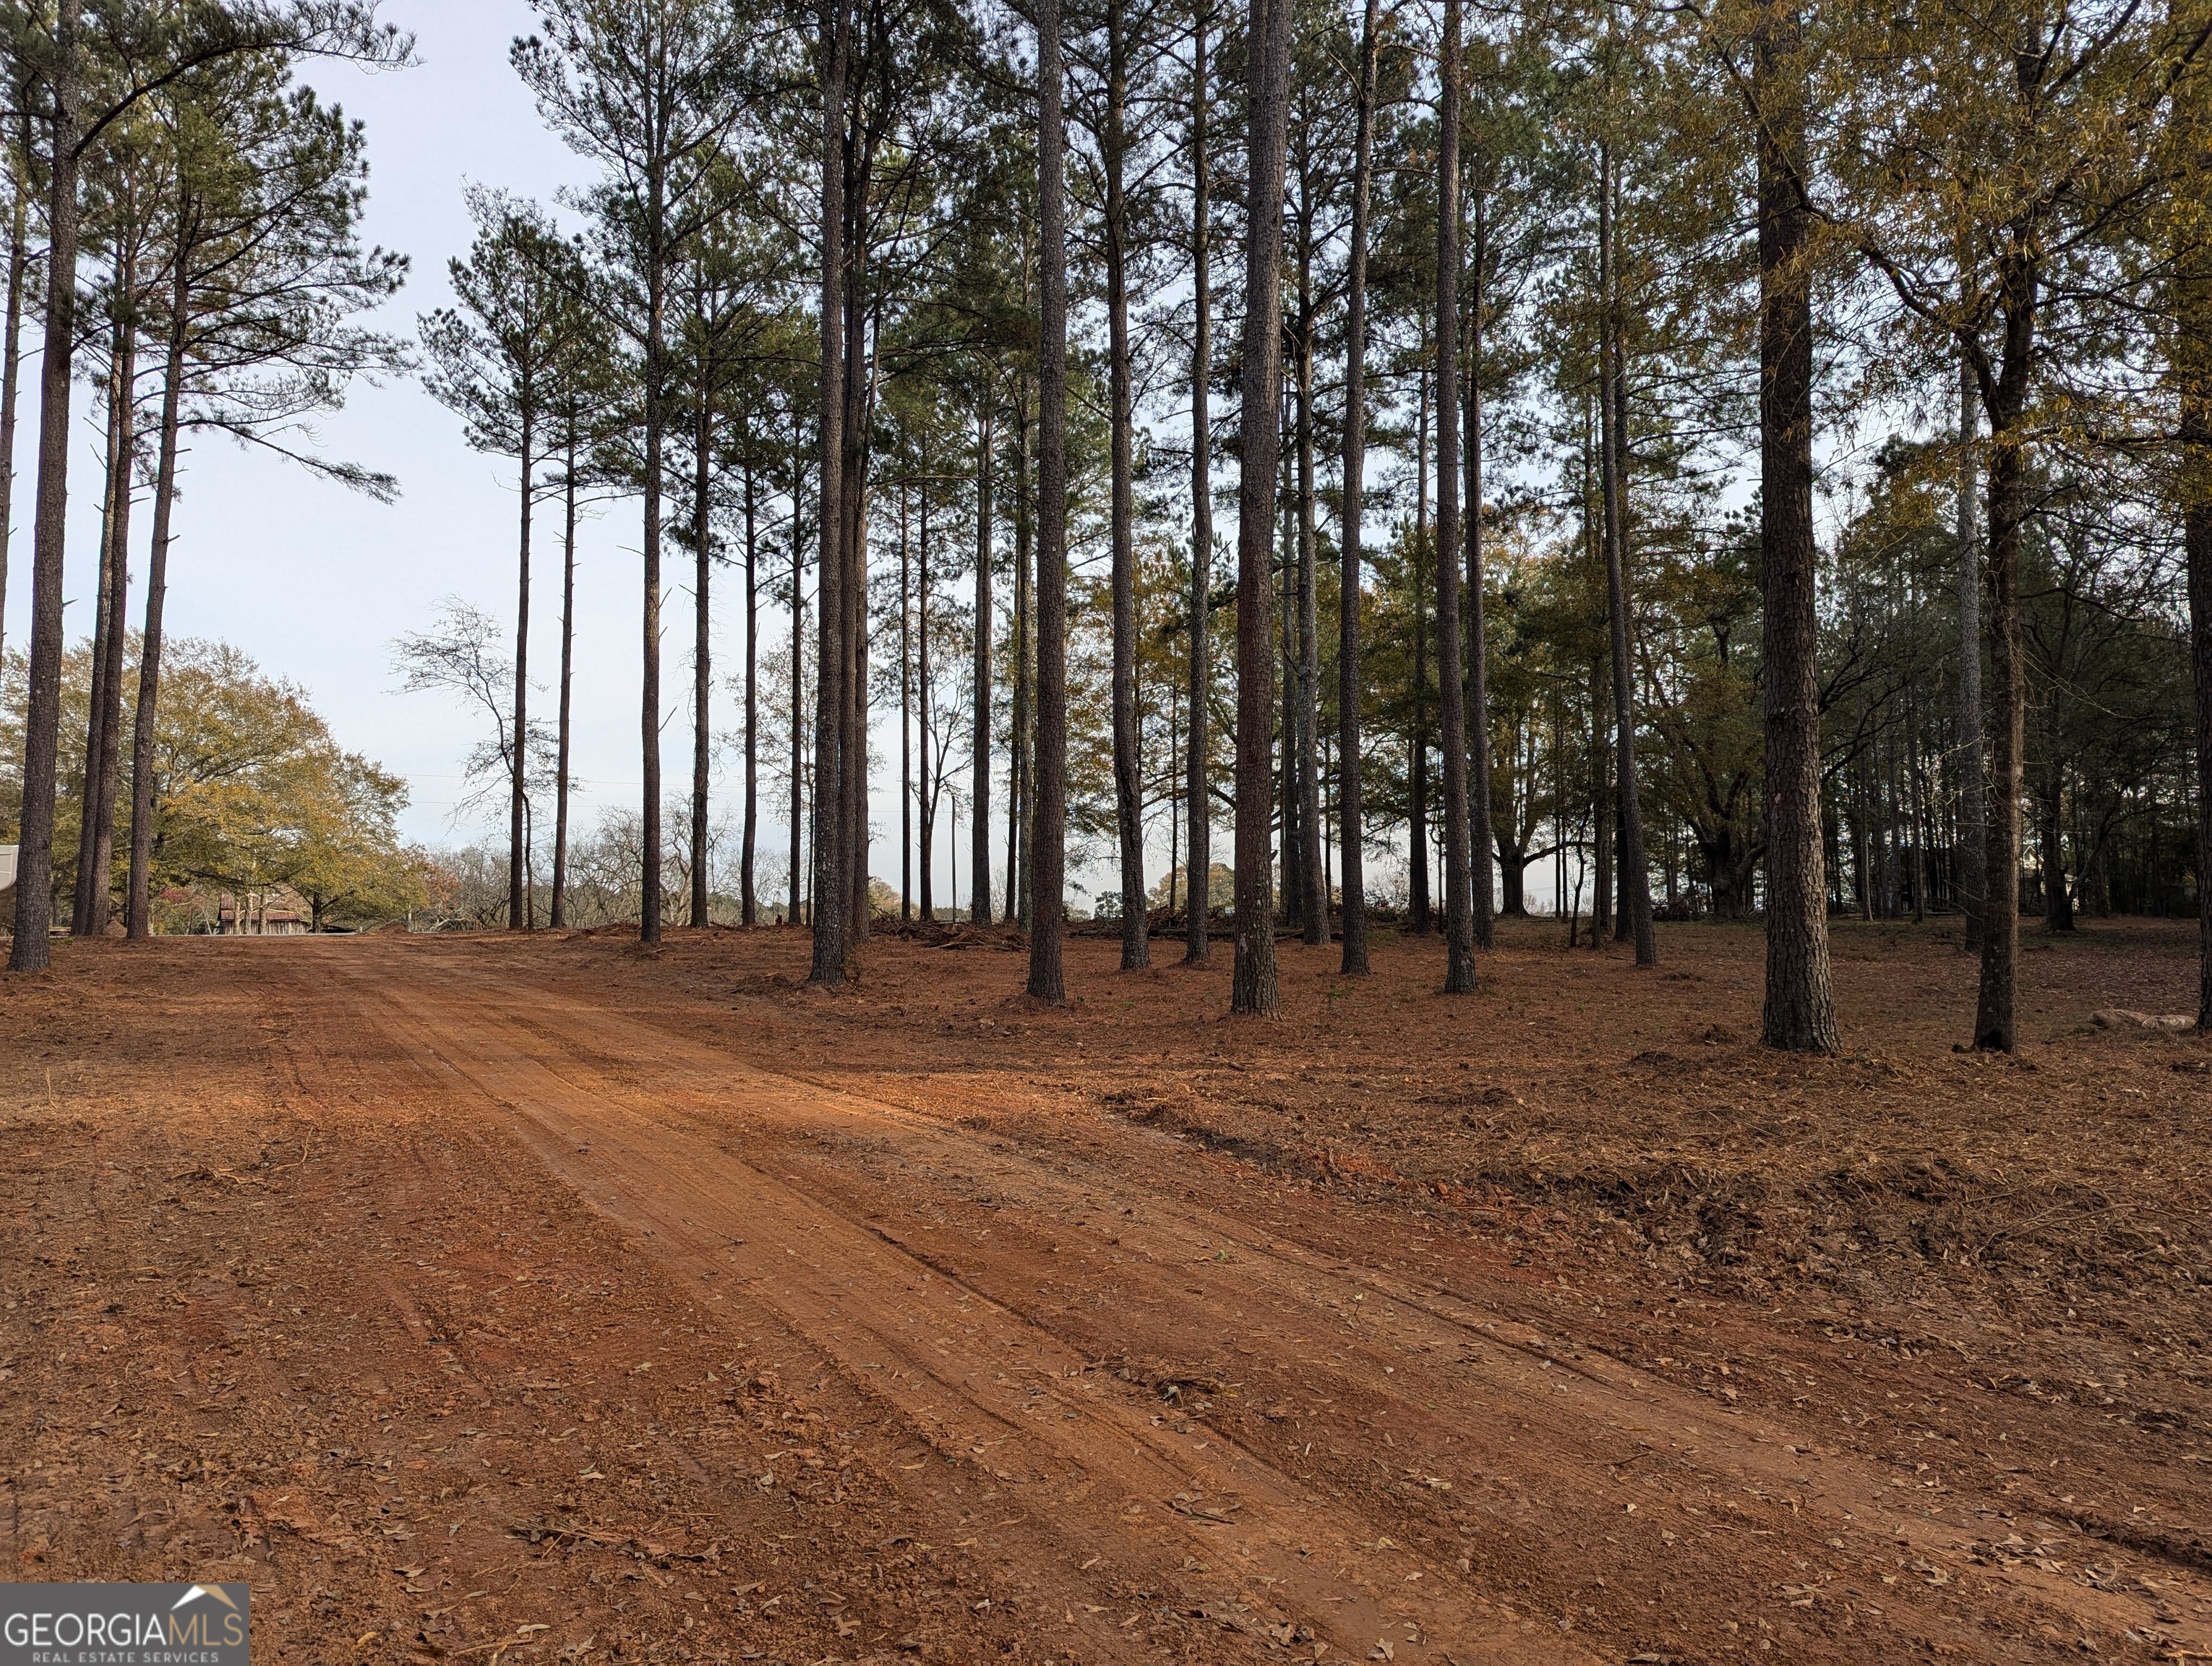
{"type": "Point", "coordinates": [563, 1301]}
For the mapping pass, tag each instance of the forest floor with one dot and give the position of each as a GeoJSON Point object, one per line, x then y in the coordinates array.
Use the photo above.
{"type": "Point", "coordinates": [559, 1300]}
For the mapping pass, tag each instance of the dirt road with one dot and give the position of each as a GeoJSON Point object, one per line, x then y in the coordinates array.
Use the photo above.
{"type": "Point", "coordinates": [473, 1310]}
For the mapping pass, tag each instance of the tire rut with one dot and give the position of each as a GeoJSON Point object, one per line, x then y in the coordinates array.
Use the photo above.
{"type": "Point", "coordinates": [973, 1376]}
{"type": "Point", "coordinates": [825, 1217]}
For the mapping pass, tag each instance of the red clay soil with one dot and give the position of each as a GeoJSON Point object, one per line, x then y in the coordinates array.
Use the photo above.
{"type": "Point", "coordinates": [496, 1300]}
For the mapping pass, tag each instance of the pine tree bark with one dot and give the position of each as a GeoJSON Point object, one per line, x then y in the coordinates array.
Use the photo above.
{"type": "Point", "coordinates": [35, 874]}
{"type": "Point", "coordinates": [928, 795]}
{"type": "Point", "coordinates": [1128, 766]}
{"type": "Point", "coordinates": [1197, 784]}
{"type": "Point", "coordinates": [2193, 297]}
{"type": "Point", "coordinates": [1313, 879]}
{"type": "Point", "coordinates": [1049, 832]}
{"type": "Point", "coordinates": [103, 750]}
{"type": "Point", "coordinates": [749, 897]}
{"type": "Point", "coordinates": [702, 550]}
{"type": "Point", "coordinates": [96, 701]}
{"type": "Point", "coordinates": [1349, 688]}
{"type": "Point", "coordinates": [1602, 818]}
{"type": "Point", "coordinates": [1418, 907]}
{"type": "Point", "coordinates": [906, 719]}
{"type": "Point", "coordinates": [1800, 1013]}
{"type": "Point", "coordinates": [853, 745]}
{"type": "Point", "coordinates": [979, 819]}
{"type": "Point", "coordinates": [1253, 989]}
{"type": "Point", "coordinates": [831, 886]}
{"type": "Point", "coordinates": [1635, 878]}
{"type": "Point", "coordinates": [561, 745]}
{"type": "Point", "coordinates": [1020, 799]}
{"type": "Point", "coordinates": [1459, 902]}
{"type": "Point", "coordinates": [797, 889]}
{"type": "Point", "coordinates": [1480, 841]}
{"type": "Point", "coordinates": [138, 904]}
{"type": "Point", "coordinates": [115, 634]}
{"type": "Point", "coordinates": [1288, 756]}
{"type": "Point", "coordinates": [521, 905]}
{"type": "Point", "coordinates": [2004, 390]}
{"type": "Point", "coordinates": [11, 358]}
{"type": "Point", "coordinates": [656, 422]}
{"type": "Point", "coordinates": [1973, 830]}
{"type": "Point", "coordinates": [2197, 538]}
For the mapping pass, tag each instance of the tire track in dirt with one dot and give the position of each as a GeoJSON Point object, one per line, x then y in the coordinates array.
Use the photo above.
{"type": "Point", "coordinates": [837, 1240]}
{"type": "Point", "coordinates": [977, 1379]}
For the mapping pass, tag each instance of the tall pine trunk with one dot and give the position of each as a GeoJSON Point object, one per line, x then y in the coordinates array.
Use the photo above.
{"type": "Point", "coordinates": [138, 904]}
{"type": "Point", "coordinates": [1198, 899]}
{"type": "Point", "coordinates": [832, 885]}
{"type": "Point", "coordinates": [2004, 399]}
{"type": "Point", "coordinates": [656, 422]}
{"type": "Point", "coordinates": [2192, 304]}
{"type": "Point", "coordinates": [1128, 765]}
{"type": "Point", "coordinates": [748, 894]}
{"type": "Point", "coordinates": [96, 708]}
{"type": "Point", "coordinates": [521, 904]}
{"type": "Point", "coordinates": [1479, 840]}
{"type": "Point", "coordinates": [1286, 614]}
{"type": "Point", "coordinates": [1313, 880]}
{"type": "Point", "coordinates": [979, 817]}
{"type": "Point", "coordinates": [11, 358]}
{"type": "Point", "coordinates": [1800, 1014]}
{"type": "Point", "coordinates": [1635, 878]}
{"type": "Point", "coordinates": [1417, 905]}
{"type": "Point", "coordinates": [1349, 691]}
{"type": "Point", "coordinates": [1048, 839]}
{"type": "Point", "coordinates": [561, 745]}
{"type": "Point", "coordinates": [1973, 830]}
{"type": "Point", "coordinates": [797, 890]}
{"type": "Point", "coordinates": [1459, 902]}
{"type": "Point", "coordinates": [2196, 538]}
{"type": "Point", "coordinates": [1288, 757]}
{"type": "Point", "coordinates": [906, 717]}
{"type": "Point", "coordinates": [922, 709]}
{"type": "Point", "coordinates": [1253, 983]}
{"type": "Point", "coordinates": [34, 872]}
{"type": "Point", "coordinates": [852, 743]}
{"type": "Point", "coordinates": [702, 541]}
{"type": "Point", "coordinates": [1019, 800]}
{"type": "Point", "coordinates": [96, 845]}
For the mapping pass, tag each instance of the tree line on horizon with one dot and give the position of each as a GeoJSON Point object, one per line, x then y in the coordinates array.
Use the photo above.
{"type": "Point", "coordinates": [1757, 450]}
